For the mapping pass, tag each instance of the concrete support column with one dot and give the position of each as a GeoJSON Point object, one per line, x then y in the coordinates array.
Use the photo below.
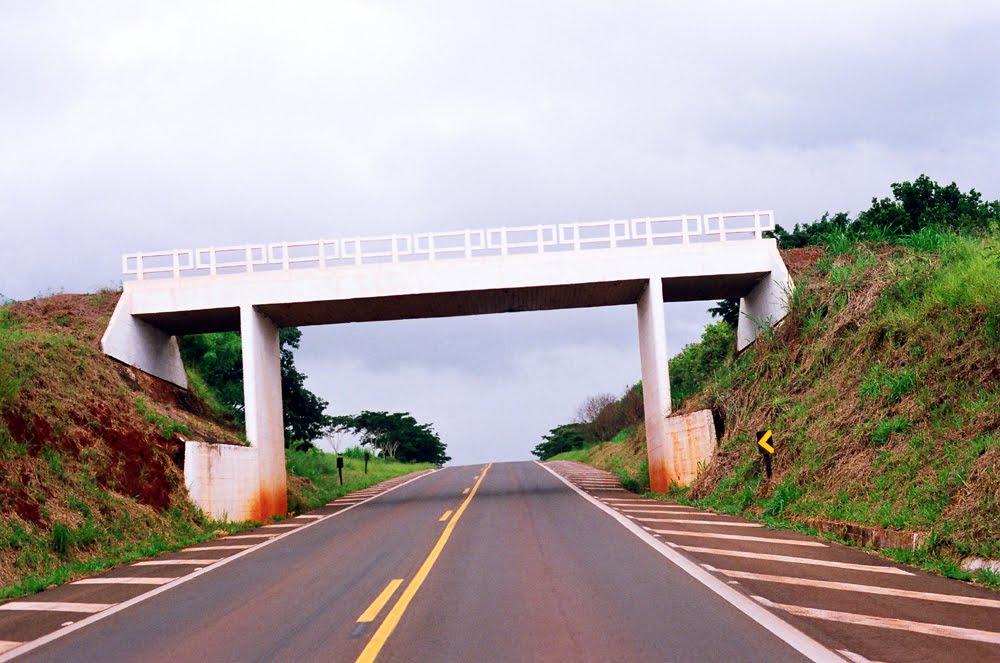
{"type": "Point", "coordinates": [262, 396]}
{"type": "Point", "coordinates": [655, 385]}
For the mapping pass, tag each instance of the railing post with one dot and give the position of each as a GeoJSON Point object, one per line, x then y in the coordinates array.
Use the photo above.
{"type": "Point", "coordinates": [685, 235]}
{"type": "Point", "coordinates": [503, 241]}
{"type": "Point", "coordinates": [722, 227]}
{"type": "Point", "coordinates": [468, 244]}
{"type": "Point", "coordinates": [357, 250]}
{"type": "Point", "coordinates": [211, 260]}
{"type": "Point", "coordinates": [430, 247]}
{"type": "Point", "coordinates": [138, 265]}
{"type": "Point", "coordinates": [321, 249]}
{"type": "Point", "coordinates": [756, 225]}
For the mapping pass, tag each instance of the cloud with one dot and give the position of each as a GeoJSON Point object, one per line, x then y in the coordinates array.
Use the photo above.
{"type": "Point", "coordinates": [141, 127]}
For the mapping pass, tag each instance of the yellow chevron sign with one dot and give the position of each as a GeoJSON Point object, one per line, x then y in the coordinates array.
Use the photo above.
{"type": "Point", "coordinates": [763, 441]}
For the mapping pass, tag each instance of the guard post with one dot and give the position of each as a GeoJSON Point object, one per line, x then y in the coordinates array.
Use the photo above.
{"type": "Point", "coordinates": [765, 445]}
{"type": "Point", "coordinates": [340, 469]}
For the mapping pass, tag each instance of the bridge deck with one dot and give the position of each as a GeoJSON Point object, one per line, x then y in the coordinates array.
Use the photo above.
{"type": "Point", "coordinates": [453, 287]}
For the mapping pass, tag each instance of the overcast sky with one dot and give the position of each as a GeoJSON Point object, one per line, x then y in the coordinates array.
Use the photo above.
{"type": "Point", "coordinates": [142, 126]}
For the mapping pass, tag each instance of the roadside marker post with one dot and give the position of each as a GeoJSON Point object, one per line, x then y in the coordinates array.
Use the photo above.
{"type": "Point", "coordinates": [765, 445]}
{"type": "Point", "coordinates": [367, 456]}
{"type": "Point", "coordinates": [340, 469]}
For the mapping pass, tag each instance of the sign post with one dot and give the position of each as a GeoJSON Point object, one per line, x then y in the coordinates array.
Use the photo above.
{"type": "Point", "coordinates": [340, 469]}
{"type": "Point", "coordinates": [765, 445]}
{"type": "Point", "coordinates": [367, 456]}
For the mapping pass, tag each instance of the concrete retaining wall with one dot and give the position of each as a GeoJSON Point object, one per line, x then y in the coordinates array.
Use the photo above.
{"type": "Point", "coordinates": [223, 479]}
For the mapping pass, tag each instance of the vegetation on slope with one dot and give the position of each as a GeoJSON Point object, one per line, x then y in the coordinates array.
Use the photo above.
{"type": "Point", "coordinates": [882, 386]}
{"type": "Point", "coordinates": [91, 452]}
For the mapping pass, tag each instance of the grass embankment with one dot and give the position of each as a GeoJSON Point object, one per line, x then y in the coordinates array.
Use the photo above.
{"type": "Point", "coordinates": [882, 388]}
{"type": "Point", "coordinates": [313, 479]}
{"type": "Point", "coordinates": [90, 458]}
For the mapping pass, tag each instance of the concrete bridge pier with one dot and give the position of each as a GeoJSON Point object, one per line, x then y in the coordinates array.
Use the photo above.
{"type": "Point", "coordinates": [264, 420]}
{"type": "Point", "coordinates": [655, 385]}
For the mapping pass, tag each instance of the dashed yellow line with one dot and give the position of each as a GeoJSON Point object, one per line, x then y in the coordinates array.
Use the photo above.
{"type": "Point", "coordinates": [466, 491]}
{"type": "Point", "coordinates": [371, 651]}
{"type": "Point", "coordinates": [371, 613]}
{"type": "Point", "coordinates": [447, 514]}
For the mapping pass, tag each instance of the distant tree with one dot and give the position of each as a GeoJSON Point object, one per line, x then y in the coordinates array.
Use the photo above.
{"type": "Point", "coordinates": [218, 359]}
{"type": "Point", "coordinates": [913, 206]}
{"type": "Point", "coordinates": [591, 408]}
{"type": "Point", "coordinates": [728, 310]}
{"type": "Point", "coordinates": [396, 435]}
{"type": "Point", "coordinates": [303, 410]}
{"type": "Point", "coordinates": [812, 234]}
{"type": "Point", "coordinates": [563, 438]}
{"type": "Point", "coordinates": [924, 203]}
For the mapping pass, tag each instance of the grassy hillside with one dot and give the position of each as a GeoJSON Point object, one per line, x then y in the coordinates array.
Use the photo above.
{"type": "Point", "coordinates": [91, 452]}
{"type": "Point", "coordinates": [883, 391]}
{"type": "Point", "coordinates": [882, 387]}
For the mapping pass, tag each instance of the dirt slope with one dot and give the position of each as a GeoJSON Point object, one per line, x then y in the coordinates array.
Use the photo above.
{"type": "Point", "coordinates": [90, 461]}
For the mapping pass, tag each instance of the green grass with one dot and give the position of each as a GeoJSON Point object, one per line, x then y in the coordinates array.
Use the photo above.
{"type": "Point", "coordinates": [579, 455]}
{"type": "Point", "coordinates": [320, 469]}
{"type": "Point", "coordinates": [168, 428]}
{"type": "Point", "coordinates": [130, 535]}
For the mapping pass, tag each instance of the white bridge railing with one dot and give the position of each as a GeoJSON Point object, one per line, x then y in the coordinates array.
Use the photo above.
{"type": "Point", "coordinates": [424, 247]}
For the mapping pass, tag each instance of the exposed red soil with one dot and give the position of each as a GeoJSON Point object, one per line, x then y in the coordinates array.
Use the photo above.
{"type": "Point", "coordinates": [75, 400]}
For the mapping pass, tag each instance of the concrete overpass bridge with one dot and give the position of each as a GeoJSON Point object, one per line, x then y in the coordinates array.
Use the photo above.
{"type": "Point", "coordinates": [258, 288]}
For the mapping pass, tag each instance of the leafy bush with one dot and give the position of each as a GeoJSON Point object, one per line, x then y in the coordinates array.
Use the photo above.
{"type": "Point", "coordinates": [691, 369]}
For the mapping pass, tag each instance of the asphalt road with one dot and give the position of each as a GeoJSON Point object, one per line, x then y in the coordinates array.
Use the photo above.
{"type": "Point", "coordinates": [474, 564]}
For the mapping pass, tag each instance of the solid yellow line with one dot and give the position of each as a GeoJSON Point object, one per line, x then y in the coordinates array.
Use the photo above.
{"type": "Point", "coordinates": [445, 516]}
{"type": "Point", "coordinates": [371, 613]}
{"type": "Point", "coordinates": [392, 619]}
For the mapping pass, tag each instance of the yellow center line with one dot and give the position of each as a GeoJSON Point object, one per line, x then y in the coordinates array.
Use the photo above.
{"type": "Point", "coordinates": [371, 613]}
{"type": "Point", "coordinates": [445, 516]}
{"type": "Point", "coordinates": [371, 651]}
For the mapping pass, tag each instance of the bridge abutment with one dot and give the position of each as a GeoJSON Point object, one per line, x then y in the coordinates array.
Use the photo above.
{"type": "Point", "coordinates": [262, 403]}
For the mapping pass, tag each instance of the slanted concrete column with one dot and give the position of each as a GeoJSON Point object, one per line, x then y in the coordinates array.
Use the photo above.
{"type": "Point", "coordinates": [136, 343]}
{"type": "Point", "coordinates": [767, 303]}
{"type": "Point", "coordinates": [262, 396]}
{"type": "Point", "coordinates": [655, 385]}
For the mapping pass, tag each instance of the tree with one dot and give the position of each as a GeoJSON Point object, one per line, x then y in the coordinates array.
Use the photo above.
{"type": "Point", "coordinates": [591, 408]}
{"type": "Point", "coordinates": [696, 363]}
{"type": "Point", "coordinates": [396, 435]}
{"type": "Point", "coordinates": [812, 234]}
{"type": "Point", "coordinates": [728, 310]}
{"type": "Point", "coordinates": [563, 438]}
{"type": "Point", "coordinates": [218, 359]}
{"type": "Point", "coordinates": [924, 203]}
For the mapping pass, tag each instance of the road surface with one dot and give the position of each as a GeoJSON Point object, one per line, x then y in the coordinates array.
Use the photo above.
{"type": "Point", "coordinates": [505, 562]}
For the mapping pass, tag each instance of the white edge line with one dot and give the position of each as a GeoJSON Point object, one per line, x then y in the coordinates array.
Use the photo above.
{"type": "Point", "coordinates": [795, 638]}
{"type": "Point", "coordinates": [118, 607]}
